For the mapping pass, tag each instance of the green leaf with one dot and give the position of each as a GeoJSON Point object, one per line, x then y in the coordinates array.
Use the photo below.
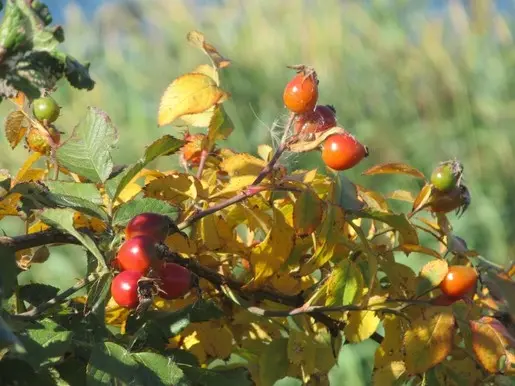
{"type": "Point", "coordinates": [98, 295]}
{"type": "Point", "coordinates": [307, 213]}
{"type": "Point", "coordinates": [8, 339]}
{"type": "Point", "coordinates": [346, 194]}
{"type": "Point", "coordinates": [8, 272]}
{"type": "Point", "coordinates": [238, 376]}
{"type": "Point", "coordinates": [20, 373]}
{"type": "Point", "coordinates": [175, 321]}
{"type": "Point", "coordinates": [125, 212]}
{"type": "Point", "coordinates": [85, 191]}
{"type": "Point", "coordinates": [72, 371]}
{"type": "Point", "coordinates": [164, 146]}
{"type": "Point", "coordinates": [88, 151]}
{"type": "Point", "coordinates": [220, 126]}
{"type": "Point", "coordinates": [400, 222]}
{"type": "Point", "coordinates": [156, 369]}
{"type": "Point", "coordinates": [273, 363]}
{"type": "Point", "coordinates": [110, 363]}
{"type": "Point", "coordinates": [345, 284]}
{"type": "Point", "coordinates": [37, 293]}
{"type": "Point", "coordinates": [37, 196]}
{"type": "Point", "coordinates": [63, 219]}
{"type": "Point", "coordinates": [46, 343]}
{"type": "Point", "coordinates": [288, 381]}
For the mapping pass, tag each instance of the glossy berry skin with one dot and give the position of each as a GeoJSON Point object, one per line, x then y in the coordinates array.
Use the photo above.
{"type": "Point", "coordinates": [175, 281]}
{"type": "Point", "coordinates": [45, 108]}
{"type": "Point", "coordinates": [152, 225]}
{"type": "Point", "coordinates": [124, 289]}
{"type": "Point", "coordinates": [137, 254]}
{"type": "Point", "coordinates": [38, 142]}
{"type": "Point", "coordinates": [343, 151]}
{"type": "Point", "coordinates": [459, 281]}
{"type": "Point", "coordinates": [443, 178]}
{"type": "Point", "coordinates": [323, 117]}
{"type": "Point", "coordinates": [301, 93]}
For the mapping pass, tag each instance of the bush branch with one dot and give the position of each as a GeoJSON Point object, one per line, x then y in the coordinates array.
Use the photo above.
{"type": "Point", "coordinates": [32, 240]}
{"type": "Point", "coordinates": [35, 312]}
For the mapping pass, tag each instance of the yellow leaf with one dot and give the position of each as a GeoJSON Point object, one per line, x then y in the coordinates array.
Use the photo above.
{"type": "Point", "coordinates": [429, 339]}
{"type": "Point", "coordinates": [180, 244]}
{"type": "Point", "coordinates": [114, 314]}
{"type": "Point", "coordinates": [215, 234]}
{"type": "Point", "coordinates": [265, 152]}
{"type": "Point", "coordinates": [389, 373]}
{"type": "Point", "coordinates": [302, 350]}
{"type": "Point", "coordinates": [286, 283]}
{"type": "Point", "coordinates": [82, 221]}
{"type": "Point", "coordinates": [391, 346]}
{"type": "Point", "coordinates": [188, 94]}
{"type": "Point", "coordinates": [216, 339]}
{"type": "Point", "coordinates": [8, 205]}
{"type": "Point", "coordinates": [38, 226]}
{"type": "Point", "coordinates": [493, 345]}
{"type": "Point", "coordinates": [198, 40]}
{"type": "Point", "coordinates": [234, 185]}
{"type": "Point", "coordinates": [174, 188]}
{"type": "Point", "coordinates": [15, 127]}
{"type": "Point", "coordinates": [242, 164]}
{"type": "Point", "coordinates": [208, 70]}
{"type": "Point", "coordinates": [345, 284]}
{"type": "Point", "coordinates": [361, 325]}
{"type": "Point", "coordinates": [269, 255]}
{"type": "Point", "coordinates": [307, 213]}
{"type": "Point", "coordinates": [25, 167]}
{"type": "Point", "coordinates": [33, 175]}
{"type": "Point", "coordinates": [130, 191]}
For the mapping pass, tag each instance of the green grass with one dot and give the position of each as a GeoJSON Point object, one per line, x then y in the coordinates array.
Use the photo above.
{"type": "Point", "coordinates": [414, 87]}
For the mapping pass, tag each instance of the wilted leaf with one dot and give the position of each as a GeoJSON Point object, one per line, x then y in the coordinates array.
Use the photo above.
{"type": "Point", "coordinates": [302, 350]}
{"type": "Point", "coordinates": [429, 339]}
{"type": "Point", "coordinates": [188, 94]}
{"type": "Point", "coordinates": [394, 168]}
{"type": "Point", "coordinates": [307, 213]}
{"type": "Point", "coordinates": [88, 151]}
{"type": "Point", "coordinates": [432, 275]}
{"type": "Point", "coordinates": [491, 342]}
{"type": "Point", "coordinates": [268, 256]}
{"type": "Point", "coordinates": [198, 40]}
{"type": "Point", "coordinates": [15, 127]}
{"type": "Point", "coordinates": [242, 164]}
{"type": "Point", "coordinates": [345, 284]}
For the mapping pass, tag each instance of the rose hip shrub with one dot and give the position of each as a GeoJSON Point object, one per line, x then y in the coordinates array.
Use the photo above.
{"type": "Point", "coordinates": [233, 269]}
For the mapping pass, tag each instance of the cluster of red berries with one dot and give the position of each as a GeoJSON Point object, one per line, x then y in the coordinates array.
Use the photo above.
{"type": "Point", "coordinates": [45, 110]}
{"type": "Point", "coordinates": [339, 151]}
{"type": "Point", "coordinates": [137, 258]}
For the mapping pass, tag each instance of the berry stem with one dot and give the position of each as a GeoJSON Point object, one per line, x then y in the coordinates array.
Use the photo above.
{"type": "Point", "coordinates": [202, 163]}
